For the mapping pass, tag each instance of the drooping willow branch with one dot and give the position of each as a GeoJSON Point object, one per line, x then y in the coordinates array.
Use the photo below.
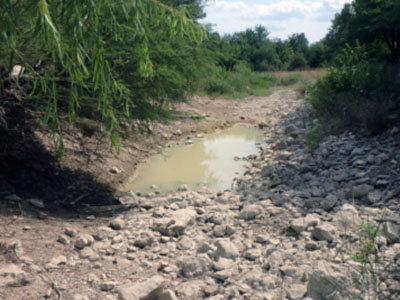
{"type": "Point", "coordinates": [79, 42]}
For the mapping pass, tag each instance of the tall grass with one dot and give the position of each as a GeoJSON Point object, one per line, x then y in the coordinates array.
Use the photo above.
{"type": "Point", "coordinates": [243, 82]}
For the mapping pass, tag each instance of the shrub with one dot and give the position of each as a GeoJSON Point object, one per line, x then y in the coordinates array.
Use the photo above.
{"type": "Point", "coordinates": [356, 92]}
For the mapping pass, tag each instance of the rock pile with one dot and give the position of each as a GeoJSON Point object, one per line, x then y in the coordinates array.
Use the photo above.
{"type": "Point", "coordinates": [289, 228]}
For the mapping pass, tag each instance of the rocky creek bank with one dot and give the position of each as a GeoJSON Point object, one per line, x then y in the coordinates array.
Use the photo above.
{"type": "Point", "coordinates": [288, 229]}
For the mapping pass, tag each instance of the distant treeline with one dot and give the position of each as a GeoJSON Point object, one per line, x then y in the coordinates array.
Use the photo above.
{"type": "Point", "coordinates": [264, 54]}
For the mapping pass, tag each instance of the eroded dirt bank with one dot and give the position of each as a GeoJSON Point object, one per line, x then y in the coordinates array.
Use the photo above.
{"type": "Point", "coordinates": [287, 230]}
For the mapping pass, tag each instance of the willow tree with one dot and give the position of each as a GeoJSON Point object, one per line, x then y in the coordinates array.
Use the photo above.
{"type": "Point", "coordinates": [73, 51]}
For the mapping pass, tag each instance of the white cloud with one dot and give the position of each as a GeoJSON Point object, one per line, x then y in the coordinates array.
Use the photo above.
{"type": "Point", "coordinates": [336, 4]}
{"type": "Point", "coordinates": [285, 16]}
{"type": "Point", "coordinates": [229, 5]}
{"type": "Point", "coordinates": [287, 7]}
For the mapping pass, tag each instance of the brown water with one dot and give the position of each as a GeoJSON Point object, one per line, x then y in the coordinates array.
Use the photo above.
{"type": "Point", "coordinates": [208, 161]}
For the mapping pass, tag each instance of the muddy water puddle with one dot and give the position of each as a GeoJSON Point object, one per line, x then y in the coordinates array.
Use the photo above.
{"type": "Point", "coordinates": [211, 161]}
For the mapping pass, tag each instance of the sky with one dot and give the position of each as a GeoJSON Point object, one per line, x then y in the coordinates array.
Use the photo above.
{"type": "Point", "coordinates": [282, 18]}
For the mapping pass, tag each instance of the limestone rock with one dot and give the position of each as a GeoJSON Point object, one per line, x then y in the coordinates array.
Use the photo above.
{"type": "Point", "coordinates": [56, 261]}
{"type": "Point", "coordinates": [117, 224]}
{"type": "Point", "coordinates": [176, 222]}
{"type": "Point", "coordinates": [223, 264]}
{"type": "Point", "coordinates": [249, 212]}
{"type": "Point", "coordinates": [107, 286]}
{"type": "Point", "coordinates": [104, 233]}
{"type": "Point", "coordinates": [82, 241]}
{"type": "Point", "coordinates": [194, 266]}
{"type": "Point", "coordinates": [205, 247]}
{"type": "Point", "coordinates": [148, 290]}
{"type": "Point", "coordinates": [392, 231]}
{"type": "Point", "coordinates": [226, 249]}
{"type": "Point", "coordinates": [168, 295]}
{"type": "Point", "coordinates": [347, 218]}
{"type": "Point", "coordinates": [191, 289]}
{"type": "Point", "coordinates": [324, 232]}
{"type": "Point", "coordinates": [374, 196]}
{"type": "Point", "coordinates": [359, 191]}
{"type": "Point", "coordinates": [296, 291]}
{"type": "Point", "coordinates": [252, 254]}
{"type": "Point", "coordinates": [12, 276]}
{"type": "Point", "coordinates": [298, 225]}
{"type": "Point", "coordinates": [329, 202]}
{"type": "Point", "coordinates": [324, 283]}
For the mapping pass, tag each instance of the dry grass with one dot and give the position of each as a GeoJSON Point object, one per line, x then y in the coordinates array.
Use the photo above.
{"type": "Point", "coordinates": [297, 80]}
{"type": "Point", "coordinates": [310, 75]}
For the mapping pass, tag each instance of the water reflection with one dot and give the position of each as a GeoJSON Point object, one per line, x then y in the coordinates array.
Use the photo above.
{"type": "Point", "coordinates": [208, 161]}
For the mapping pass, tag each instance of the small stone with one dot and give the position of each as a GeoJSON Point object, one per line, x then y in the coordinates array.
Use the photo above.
{"type": "Point", "coordinates": [298, 225]}
{"type": "Point", "coordinates": [117, 224]}
{"type": "Point", "coordinates": [150, 289]}
{"type": "Point", "coordinates": [79, 297]}
{"type": "Point", "coordinates": [312, 246]}
{"type": "Point", "coordinates": [205, 247]}
{"type": "Point", "coordinates": [70, 232]}
{"type": "Point", "coordinates": [59, 260]}
{"type": "Point", "coordinates": [104, 233]}
{"type": "Point", "coordinates": [329, 202]}
{"type": "Point", "coordinates": [392, 231]}
{"type": "Point", "coordinates": [107, 286]}
{"type": "Point", "coordinates": [226, 249]}
{"type": "Point", "coordinates": [131, 256]}
{"type": "Point", "coordinates": [359, 191]}
{"type": "Point", "coordinates": [323, 232]}
{"type": "Point", "coordinates": [252, 254]}
{"type": "Point", "coordinates": [219, 231]}
{"type": "Point", "coordinates": [185, 243]}
{"type": "Point", "coordinates": [63, 239]}
{"type": "Point", "coordinates": [223, 264]}
{"type": "Point", "coordinates": [117, 239]}
{"type": "Point", "coordinates": [325, 282]}
{"type": "Point", "coordinates": [167, 295]}
{"type": "Point", "coordinates": [194, 266]}
{"type": "Point", "coordinates": [296, 291]}
{"type": "Point", "coordinates": [374, 196]}
{"type": "Point", "coordinates": [86, 253]}
{"type": "Point", "coordinates": [144, 241]}
{"type": "Point", "coordinates": [114, 170]}
{"type": "Point", "coordinates": [249, 212]}
{"type": "Point", "coordinates": [347, 218]}
{"type": "Point", "coordinates": [262, 238]}
{"type": "Point", "coordinates": [82, 241]}
{"type": "Point", "coordinates": [12, 276]}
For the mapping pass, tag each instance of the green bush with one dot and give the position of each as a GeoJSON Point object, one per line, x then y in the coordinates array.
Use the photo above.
{"type": "Point", "coordinates": [356, 92]}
